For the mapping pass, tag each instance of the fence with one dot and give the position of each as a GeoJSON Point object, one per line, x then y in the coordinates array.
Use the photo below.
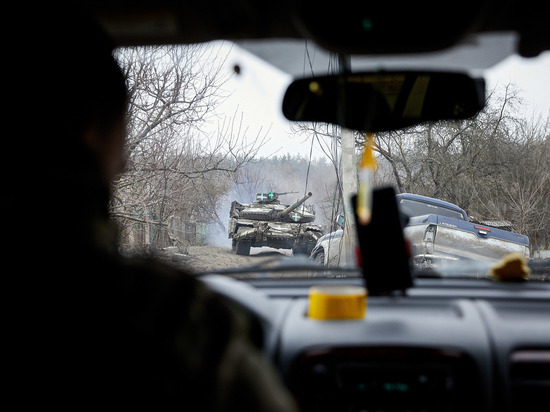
{"type": "Point", "coordinates": [153, 235]}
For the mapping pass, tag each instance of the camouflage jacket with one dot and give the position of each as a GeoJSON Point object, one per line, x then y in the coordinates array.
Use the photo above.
{"type": "Point", "coordinates": [123, 333]}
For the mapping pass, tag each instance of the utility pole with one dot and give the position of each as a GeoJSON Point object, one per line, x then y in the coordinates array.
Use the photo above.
{"type": "Point", "coordinates": [349, 173]}
{"type": "Point", "coordinates": [349, 188]}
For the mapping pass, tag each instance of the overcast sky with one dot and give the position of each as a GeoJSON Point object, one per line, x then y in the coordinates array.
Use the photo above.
{"type": "Point", "coordinates": [259, 87]}
{"type": "Point", "coordinates": [531, 75]}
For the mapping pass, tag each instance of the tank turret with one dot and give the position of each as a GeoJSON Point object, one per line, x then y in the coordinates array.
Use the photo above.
{"type": "Point", "coordinates": [271, 197]}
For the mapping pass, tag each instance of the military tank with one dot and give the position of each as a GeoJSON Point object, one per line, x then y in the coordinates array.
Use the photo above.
{"type": "Point", "coordinates": [267, 222]}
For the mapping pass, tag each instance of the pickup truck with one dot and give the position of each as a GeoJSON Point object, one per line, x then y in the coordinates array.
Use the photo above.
{"type": "Point", "coordinates": [438, 232]}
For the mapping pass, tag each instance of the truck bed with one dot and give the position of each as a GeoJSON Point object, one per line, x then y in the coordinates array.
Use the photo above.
{"type": "Point", "coordinates": [458, 239]}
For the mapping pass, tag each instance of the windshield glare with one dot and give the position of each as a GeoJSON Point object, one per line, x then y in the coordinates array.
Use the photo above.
{"type": "Point", "coordinates": [206, 135]}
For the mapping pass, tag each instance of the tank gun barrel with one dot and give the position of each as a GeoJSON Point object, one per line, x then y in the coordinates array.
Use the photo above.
{"type": "Point", "coordinates": [296, 204]}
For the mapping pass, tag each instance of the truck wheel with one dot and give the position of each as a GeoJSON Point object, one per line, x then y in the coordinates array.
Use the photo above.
{"type": "Point", "coordinates": [242, 248]}
{"type": "Point", "coordinates": [320, 258]}
{"type": "Point", "coordinates": [233, 245]}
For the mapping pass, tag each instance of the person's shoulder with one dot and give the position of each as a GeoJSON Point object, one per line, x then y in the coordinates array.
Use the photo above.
{"type": "Point", "coordinates": [154, 295]}
{"type": "Point", "coordinates": [179, 292]}
{"type": "Point", "coordinates": [153, 281]}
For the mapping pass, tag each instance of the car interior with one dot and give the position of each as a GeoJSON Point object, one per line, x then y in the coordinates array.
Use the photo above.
{"type": "Point", "coordinates": [420, 343]}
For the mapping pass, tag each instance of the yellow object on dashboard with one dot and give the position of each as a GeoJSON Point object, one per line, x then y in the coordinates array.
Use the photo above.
{"type": "Point", "coordinates": [512, 267]}
{"type": "Point", "coordinates": [337, 302]}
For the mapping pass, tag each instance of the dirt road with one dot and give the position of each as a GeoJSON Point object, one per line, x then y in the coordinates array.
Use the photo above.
{"type": "Point", "coordinates": [207, 258]}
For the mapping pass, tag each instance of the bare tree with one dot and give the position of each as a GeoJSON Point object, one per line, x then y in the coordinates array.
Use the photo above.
{"type": "Point", "coordinates": [495, 165]}
{"type": "Point", "coordinates": [176, 172]}
{"type": "Point", "coordinates": [520, 194]}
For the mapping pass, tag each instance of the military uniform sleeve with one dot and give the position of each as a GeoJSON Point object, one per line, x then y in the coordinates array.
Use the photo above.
{"type": "Point", "coordinates": [248, 382]}
{"type": "Point", "coordinates": [193, 347]}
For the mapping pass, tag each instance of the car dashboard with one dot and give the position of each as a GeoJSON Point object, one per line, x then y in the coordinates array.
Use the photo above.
{"type": "Point", "coordinates": [445, 345]}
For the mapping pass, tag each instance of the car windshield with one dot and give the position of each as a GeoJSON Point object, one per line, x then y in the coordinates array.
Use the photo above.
{"type": "Point", "coordinates": [218, 179]}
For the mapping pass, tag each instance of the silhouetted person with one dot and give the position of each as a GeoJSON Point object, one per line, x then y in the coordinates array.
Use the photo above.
{"type": "Point", "coordinates": [92, 328]}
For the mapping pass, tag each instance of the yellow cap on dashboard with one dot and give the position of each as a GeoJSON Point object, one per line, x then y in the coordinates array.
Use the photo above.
{"type": "Point", "coordinates": [337, 302]}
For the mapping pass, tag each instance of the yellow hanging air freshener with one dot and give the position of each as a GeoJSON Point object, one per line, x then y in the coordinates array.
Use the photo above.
{"type": "Point", "coordinates": [367, 168]}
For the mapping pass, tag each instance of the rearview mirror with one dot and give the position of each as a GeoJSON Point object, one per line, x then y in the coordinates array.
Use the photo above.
{"type": "Point", "coordinates": [384, 101]}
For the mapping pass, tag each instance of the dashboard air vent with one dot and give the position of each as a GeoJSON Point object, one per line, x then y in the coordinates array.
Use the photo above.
{"type": "Point", "coordinates": [530, 380]}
